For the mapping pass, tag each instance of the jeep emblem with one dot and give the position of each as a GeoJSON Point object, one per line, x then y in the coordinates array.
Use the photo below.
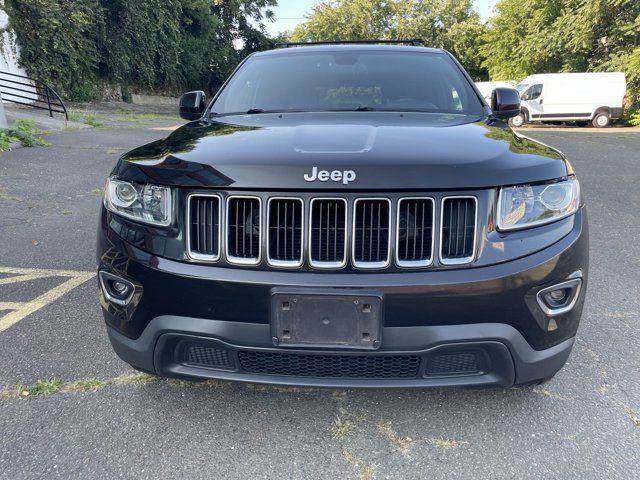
{"type": "Point", "coordinates": [345, 176]}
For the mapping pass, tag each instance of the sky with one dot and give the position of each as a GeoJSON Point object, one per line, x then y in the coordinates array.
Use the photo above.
{"type": "Point", "coordinates": [289, 13]}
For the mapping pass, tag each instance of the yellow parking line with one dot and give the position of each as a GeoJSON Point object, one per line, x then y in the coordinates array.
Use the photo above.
{"type": "Point", "coordinates": [23, 309]}
{"type": "Point", "coordinates": [40, 272]}
{"type": "Point", "coordinates": [19, 278]}
{"type": "Point", "coordinates": [11, 305]}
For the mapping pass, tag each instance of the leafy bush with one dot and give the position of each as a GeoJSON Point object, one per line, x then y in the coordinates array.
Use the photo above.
{"type": "Point", "coordinates": [632, 117]}
{"type": "Point", "coordinates": [158, 45]}
{"type": "Point", "coordinates": [57, 41]}
{"type": "Point", "coordinates": [23, 131]}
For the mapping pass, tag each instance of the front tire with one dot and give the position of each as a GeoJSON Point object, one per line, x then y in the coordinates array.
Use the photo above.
{"type": "Point", "coordinates": [601, 120]}
{"type": "Point", "coordinates": [518, 120]}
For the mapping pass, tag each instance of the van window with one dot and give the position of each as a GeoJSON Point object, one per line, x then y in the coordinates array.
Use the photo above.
{"type": "Point", "coordinates": [534, 92]}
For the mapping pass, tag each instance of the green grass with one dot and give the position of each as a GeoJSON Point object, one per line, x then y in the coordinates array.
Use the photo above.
{"type": "Point", "coordinates": [53, 385]}
{"type": "Point", "coordinates": [23, 131]}
{"type": "Point", "coordinates": [342, 428]}
{"type": "Point", "coordinates": [88, 385]}
{"type": "Point", "coordinates": [135, 117]}
{"type": "Point", "coordinates": [42, 387]}
{"type": "Point", "coordinates": [87, 118]}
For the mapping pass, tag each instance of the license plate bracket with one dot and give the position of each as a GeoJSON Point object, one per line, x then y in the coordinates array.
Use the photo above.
{"type": "Point", "coordinates": [330, 318]}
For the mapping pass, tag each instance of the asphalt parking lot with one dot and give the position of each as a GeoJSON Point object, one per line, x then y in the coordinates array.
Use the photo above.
{"type": "Point", "coordinates": [92, 416]}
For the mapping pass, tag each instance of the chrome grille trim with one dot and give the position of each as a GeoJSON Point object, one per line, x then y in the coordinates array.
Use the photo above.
{"type": "Point", "coordinates": [464, 260]}
{"type": "Point", "coordinates": [285, 263]}
{"type": "Point", "coordinates": [323, 264]}
{"type": "Point", "coordinates": [192, 254]}
{"type": "Point", "coordinates": [242, 260]}
{"type": "Point", "coordinates": [377, 264]}
{"type": "Point", "coordinates": [398, 254]}
{"type": "Point", "coordinates": [415, 263]}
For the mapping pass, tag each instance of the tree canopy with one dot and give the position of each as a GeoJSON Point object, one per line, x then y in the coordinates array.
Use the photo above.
{"type": "Point", "coordinates": [521, 38]}
{"type": "Point", "coordinates": [168, 45]}
{"type": "Point", "coordinates": [453, 25]}
{"type": "Point", "coordinates": [542, 36]}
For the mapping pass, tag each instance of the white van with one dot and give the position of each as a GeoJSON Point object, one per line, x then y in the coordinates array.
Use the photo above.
{"type": "Point", "coordinates": [487, 87]}
{"type": "Point", "coordinates": [575, 97]}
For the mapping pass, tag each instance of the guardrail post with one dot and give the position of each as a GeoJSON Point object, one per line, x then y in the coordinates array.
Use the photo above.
{"type": "Point", "coordinates": [46, 89]}
{"type": "Point", "coordinates": [3, 116]}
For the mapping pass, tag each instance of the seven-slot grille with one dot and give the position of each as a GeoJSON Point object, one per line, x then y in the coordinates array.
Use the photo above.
{"type": "Point", "coordinates": [285, 228]}
{"type": "Point", "coordinates": [371, 228]}
{"type": "Point", "coordinates": [367, 220]}
{"type": "Point", "coordinates": [204, 227]}
{"type": "Point", "coordinates": [243, 229]}
{"type": "Point", "coordinates": [414, 238]}
{"type": "Point", "coordinates": [328, 225]}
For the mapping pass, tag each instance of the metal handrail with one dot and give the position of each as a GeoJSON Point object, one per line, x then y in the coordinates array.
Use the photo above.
{"type": "Point", "coordinates": [32, 92]}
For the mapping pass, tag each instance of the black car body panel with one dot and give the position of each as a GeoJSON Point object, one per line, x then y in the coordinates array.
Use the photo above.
{"type": "Point", "coordinates": [474, 322]}
{"type": "Point", "coordinates": [393, 151]}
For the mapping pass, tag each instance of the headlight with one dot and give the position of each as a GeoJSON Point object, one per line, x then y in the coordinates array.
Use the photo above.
{"type": "Point", "coordinates": [526, 206]}
{"type": "Point", "coordinates": [144, 203]}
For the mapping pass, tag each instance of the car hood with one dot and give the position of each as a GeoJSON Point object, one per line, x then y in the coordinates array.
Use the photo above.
{"type": "Point", "coordinates": [409, 151]}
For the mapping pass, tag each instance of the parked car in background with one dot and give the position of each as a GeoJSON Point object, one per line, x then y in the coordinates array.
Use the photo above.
{"type": "Point", "coordinates": [487, 87]}
{"type": "Point", "coordinates": [572, 97]}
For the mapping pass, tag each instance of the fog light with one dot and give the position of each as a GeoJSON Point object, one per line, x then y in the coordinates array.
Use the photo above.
{"type": "Point", "coordinates": [120, 288]}
{"type": "Point", "coordinates": [556, 298]}
{"type": "Point", "coordinates": [557, 295]}
{"type": "Point", "coordinates": [115, 289]}
{"type": "Point", "coordinates": [560, 298]}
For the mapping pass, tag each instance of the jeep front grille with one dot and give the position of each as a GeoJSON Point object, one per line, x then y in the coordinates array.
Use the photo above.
{"type": "Point", "coordinates": [285, 227]}
{"type": "Point", "coordinates": [414, 238]}
{"type": "Point", "coordinates": [332, 233]}
{"type": "Point", "coordinates": [457, 235]}
{"type": "Point", "coordinates": [371, 228]}
{"type": "Point", "coordinates": [328, 225]}
{"type": "Point", "coordinates": [203, 234]}
{"type": "Point", "coordinates": [244, 219]}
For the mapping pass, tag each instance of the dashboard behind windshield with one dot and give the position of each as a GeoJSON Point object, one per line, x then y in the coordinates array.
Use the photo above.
{"type": "Point", "coordinates": [348, 81]}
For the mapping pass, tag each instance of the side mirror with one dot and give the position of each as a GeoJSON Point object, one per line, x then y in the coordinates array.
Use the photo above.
{"type": "Point", "coordinates": [505, 103]}
{"type": "Point", "coordinates": [192, 105]}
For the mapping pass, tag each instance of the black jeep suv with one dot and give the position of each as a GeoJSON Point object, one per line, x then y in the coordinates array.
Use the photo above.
{"type": "Point", "coordinates": [345, 215]}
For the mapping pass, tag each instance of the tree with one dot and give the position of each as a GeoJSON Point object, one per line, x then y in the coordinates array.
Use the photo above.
{"type": "Point", "coordinates": [538, 36]}
{"type": "Point", "coordinates": [165, 45]}
{"type": "Point", "coordinates": [58, 42]}
{"type": "Point", "coordinates": [449, 24]}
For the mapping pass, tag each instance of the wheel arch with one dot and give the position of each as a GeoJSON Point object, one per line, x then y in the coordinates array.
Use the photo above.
{"type": "Point", "coordinates": [599, 110]}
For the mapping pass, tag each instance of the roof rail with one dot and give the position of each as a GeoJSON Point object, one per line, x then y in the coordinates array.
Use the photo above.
{"type": "Point", "coordinates": [416, 42]}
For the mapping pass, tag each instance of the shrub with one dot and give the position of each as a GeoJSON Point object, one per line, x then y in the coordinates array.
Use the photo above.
{"type": "Point", "coordinates": [157, 45]}
{"type": "Point", "coordinates": [57, 41]}
{"type": "Point", "coordinates": [632, 117]}
{"type": "Point", "coordinates": [23, 131]}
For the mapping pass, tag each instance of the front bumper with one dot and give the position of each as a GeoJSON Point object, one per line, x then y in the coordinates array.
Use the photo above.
{"type": "Point", "coordinates": [475, 326]}
{"type": "Point", "coordinates": [504, 357]}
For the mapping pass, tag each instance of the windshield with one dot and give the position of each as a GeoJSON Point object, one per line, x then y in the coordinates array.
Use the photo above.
{"type": "Point", "coordinates": [521, 87]}
{"type": "Point", "coordinates": [348, 81]}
